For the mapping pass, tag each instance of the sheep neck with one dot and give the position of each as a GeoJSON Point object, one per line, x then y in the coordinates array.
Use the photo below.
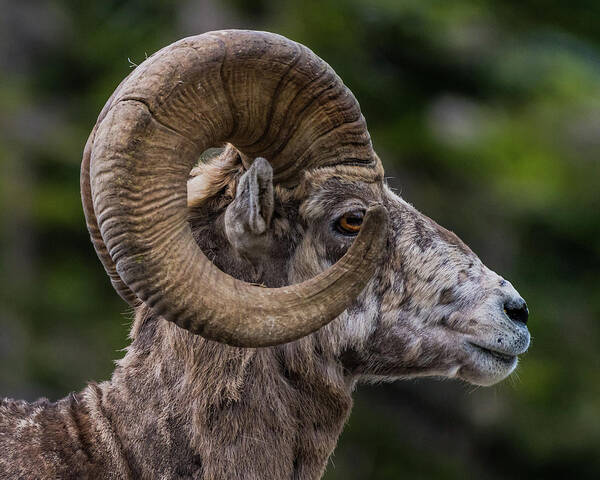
{"type": "Point", "coordinates": [183, 406]}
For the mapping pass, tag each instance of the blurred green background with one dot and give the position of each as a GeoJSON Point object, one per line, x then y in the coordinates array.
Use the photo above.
{"type": "Point", "coordinates": [487, 117]}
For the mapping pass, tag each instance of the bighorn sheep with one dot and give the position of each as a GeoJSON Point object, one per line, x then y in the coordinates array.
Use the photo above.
{"type": "Point", "coordinates": [307, 254]}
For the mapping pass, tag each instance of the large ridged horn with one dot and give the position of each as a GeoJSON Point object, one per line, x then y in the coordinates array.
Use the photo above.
{"type": "Point", "coordinates": [268, 96]}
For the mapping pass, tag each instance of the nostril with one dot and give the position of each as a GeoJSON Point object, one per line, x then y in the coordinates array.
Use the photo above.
{"type": "Point", "coordinates": [517, 310]}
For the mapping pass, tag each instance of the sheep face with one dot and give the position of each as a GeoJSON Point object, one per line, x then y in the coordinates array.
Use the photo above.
{"type": "Point", "coordinates": [432, 308]}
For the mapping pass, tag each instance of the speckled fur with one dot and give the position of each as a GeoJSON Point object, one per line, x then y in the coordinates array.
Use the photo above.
{"type": "Point", "coordinates": [179, 406]}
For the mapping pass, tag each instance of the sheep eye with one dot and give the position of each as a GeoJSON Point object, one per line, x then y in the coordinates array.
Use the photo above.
{"type": "Point", "coordinates": [350, 223]}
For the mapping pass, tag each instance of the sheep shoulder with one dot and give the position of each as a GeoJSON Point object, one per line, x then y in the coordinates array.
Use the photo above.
{"type": "Point", "coordinates": [67, 439]}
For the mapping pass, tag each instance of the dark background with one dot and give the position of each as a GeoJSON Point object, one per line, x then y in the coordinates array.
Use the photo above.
{"type": "Point", "coordinates": [487, 117]}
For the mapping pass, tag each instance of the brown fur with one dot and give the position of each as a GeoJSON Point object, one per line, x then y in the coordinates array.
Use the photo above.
{"type": "Point", "coordinates": [180, 406]}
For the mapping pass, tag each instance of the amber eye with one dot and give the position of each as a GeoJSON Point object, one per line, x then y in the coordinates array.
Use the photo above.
{"type": "Point", "coordinates": [350, 223]}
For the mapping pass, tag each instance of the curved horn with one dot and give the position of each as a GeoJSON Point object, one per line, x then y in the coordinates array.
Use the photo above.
{"type": "Point", "coordinates": [90, 216]}
{"type": "Point", "coordinates": [268, 96]}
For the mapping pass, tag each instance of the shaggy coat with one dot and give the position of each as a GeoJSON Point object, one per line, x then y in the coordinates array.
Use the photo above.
{"type": "Point", "coordinates": [179, 406]}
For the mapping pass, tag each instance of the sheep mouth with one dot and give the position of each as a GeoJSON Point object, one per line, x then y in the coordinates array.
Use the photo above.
{"type": "Point", "coordinates": [486, 365]}
{"type": "Point", "coordinates": [503, 357]}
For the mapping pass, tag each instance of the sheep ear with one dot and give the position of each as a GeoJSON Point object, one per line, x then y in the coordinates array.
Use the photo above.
{"type": "Point", "coordinates": [248, 217]}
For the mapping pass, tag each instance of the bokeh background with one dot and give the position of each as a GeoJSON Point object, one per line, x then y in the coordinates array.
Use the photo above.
{"type": "Point", "coordinates": [487, 117]}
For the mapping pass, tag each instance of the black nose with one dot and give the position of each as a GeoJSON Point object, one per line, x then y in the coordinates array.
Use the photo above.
{"type": "Point", "coordinates": [516, 310]}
